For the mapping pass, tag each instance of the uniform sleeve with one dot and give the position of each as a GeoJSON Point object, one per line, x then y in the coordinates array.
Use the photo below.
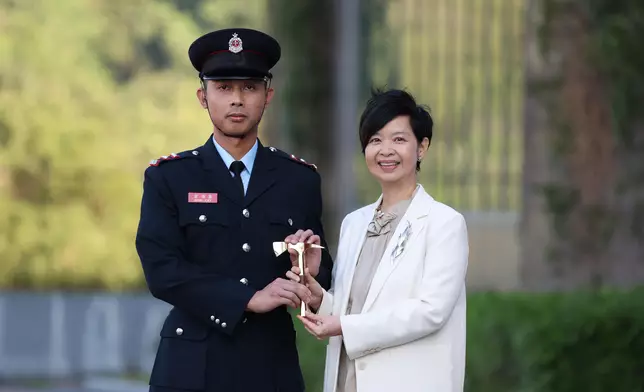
{"type": "Point", "coordinates": [169, 276]}
{"type": "Point", "coordinates": [326, 264]}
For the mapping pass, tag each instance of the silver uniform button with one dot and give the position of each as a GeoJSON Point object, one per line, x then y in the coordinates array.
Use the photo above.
{"type": "Point", "coordinates": [246, 213]}
{"type": "Point", "coordinates": [223, 325]}
{"type": "Point", "coordinates": [212, 318]}
{"type": "Point", "coordinates": [244, 281]}
{"type": "Point", "coordinates": [195, 153]}
{"type": "Point", "coordinates": [202, 218]}
{"type": "Point", "coordinates": [217, 321]}
{"type": "Point", "coordinates": [246, 248]}
{"type": "Point", "coordinates": [179, 331]}
{"type": "Point", "coordinates": [290, 222]}
{"type": "Point", "coordinates": [272, 149]}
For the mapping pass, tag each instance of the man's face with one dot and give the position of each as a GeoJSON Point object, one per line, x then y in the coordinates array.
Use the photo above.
{"type": "Point", "coordinates": [235, 106]}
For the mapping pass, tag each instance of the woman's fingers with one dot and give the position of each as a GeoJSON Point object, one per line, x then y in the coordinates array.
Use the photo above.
{"type": "Point", "coordinates": [311, 326]}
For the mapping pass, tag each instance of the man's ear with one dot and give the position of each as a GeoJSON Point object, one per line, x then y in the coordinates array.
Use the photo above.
{"type": "Point", "coordinates": [201, 96]}
{"type": "Point", "coordinates": [269, 95]}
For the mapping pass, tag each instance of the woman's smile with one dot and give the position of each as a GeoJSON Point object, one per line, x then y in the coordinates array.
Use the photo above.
{"type": "Point", "coordinates": [388, 165]}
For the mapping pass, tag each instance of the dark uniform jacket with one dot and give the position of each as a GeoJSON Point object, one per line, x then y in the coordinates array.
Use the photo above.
{"type": "Point", "coordinates": [207, 259]}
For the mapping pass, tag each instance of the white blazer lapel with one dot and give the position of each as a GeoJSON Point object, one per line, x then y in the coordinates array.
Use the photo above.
{"type": "Point", "coordinates": [359, 230]}
{"type": "Point", "coordinates": [412, 221]}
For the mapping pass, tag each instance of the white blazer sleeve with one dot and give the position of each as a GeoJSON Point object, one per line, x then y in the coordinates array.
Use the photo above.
{"type": "Point", "coordinates": [442, 281]}
{"type": "Point", "coordinates": [326, 306]}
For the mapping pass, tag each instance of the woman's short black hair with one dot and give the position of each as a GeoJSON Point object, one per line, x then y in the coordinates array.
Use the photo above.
{"type": "Point", "coordinates": [384, 106]}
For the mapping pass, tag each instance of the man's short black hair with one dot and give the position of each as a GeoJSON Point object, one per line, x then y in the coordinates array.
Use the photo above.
{"type": "Point", "coordinates": [384, 106]}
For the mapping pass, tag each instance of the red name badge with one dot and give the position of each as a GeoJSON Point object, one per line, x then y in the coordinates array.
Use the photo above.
{"type": "Point", "coordinates": [202, 197]}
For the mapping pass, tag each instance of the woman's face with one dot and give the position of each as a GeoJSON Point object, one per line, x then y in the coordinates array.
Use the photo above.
{"type": "Point", "coordinates": [392, 153]}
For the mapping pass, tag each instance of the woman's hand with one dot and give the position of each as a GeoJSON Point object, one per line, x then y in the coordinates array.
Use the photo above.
{"type": "Point", "coordinates": [321, 326]}
{"type": "Point", "coordinates": [313, 255]}
{"type": "Point", "coordinates": [317, 292]}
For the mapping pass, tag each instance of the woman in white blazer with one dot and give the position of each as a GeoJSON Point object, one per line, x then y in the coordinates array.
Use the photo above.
{"type": "Point", "coordinates": [395, 314]}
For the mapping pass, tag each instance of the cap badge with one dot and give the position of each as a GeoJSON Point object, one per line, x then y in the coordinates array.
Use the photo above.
{"type": "Point", "coordinates": [235, 44]}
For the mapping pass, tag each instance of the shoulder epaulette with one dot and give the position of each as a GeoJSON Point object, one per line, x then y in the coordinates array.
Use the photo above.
{"type": "Point", "coordinates": [292, 158]}
{"type": "Point", "coordinates": [172, 157]}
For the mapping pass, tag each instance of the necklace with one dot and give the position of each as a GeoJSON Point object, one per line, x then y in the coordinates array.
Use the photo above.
{"type": "Point", "coordinates": [379, 212]}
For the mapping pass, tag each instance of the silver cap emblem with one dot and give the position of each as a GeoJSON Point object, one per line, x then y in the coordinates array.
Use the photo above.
{"type": "Point", "coordinates": [235, 44]}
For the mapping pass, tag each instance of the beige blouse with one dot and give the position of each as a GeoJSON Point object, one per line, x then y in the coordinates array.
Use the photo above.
{"type": "Point", "coordinates": [379, 232]}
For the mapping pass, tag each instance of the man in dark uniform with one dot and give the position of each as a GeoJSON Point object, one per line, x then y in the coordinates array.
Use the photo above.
{"type": "Point", "coordinates": [208, 219]}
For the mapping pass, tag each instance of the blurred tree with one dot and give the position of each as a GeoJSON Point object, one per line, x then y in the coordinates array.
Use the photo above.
{"type": "Point", "coordinates": [464, 59]}
{"type": "Point", "coordinates": [584, 193]}
{"type": "Point", "coordinates": [211, 15]}
{"type": "Point", "coordinates": [309, 34]}
{"type": "Point", "coordinates": [306, 31]}
{"type": "Point", "coordinates": [90, 92]}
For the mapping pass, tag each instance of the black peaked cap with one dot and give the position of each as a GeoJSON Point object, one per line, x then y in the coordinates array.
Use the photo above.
{"type": "Point", "coordinates": [234, 54]}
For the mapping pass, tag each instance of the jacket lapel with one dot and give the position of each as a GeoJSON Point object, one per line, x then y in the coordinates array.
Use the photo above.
{"type": "Point", "coordinates": [261, 179]}
{"type": "Point", "coordinates": [414, 218]}
{"type": "Point", "coordinates": [263, 175]}
{"type": "Point", "coordinates": [220, 175]}
{"type": "Point", "coordinates": [359, 230]}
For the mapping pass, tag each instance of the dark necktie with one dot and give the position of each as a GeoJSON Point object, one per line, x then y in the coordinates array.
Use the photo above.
{"type": "Point", "coordinates": [237, 167]}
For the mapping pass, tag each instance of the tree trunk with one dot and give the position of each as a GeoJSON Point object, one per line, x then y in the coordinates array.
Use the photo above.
{"type": "Point", "coordinates": [573, 229]}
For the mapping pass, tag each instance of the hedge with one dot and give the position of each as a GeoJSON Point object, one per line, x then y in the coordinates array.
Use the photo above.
{"type": "Point", "coordinates": [518, 342]}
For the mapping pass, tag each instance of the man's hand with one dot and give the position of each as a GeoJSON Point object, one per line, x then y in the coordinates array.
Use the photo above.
{"type": "Point", "coordinates": [279, 292]}
{"type": "Point", "coordinates": [317, 292]}
{"type": "Point", "coordinates": [321, 326]}
{"type": "Point", "coordinates": [312, 255]}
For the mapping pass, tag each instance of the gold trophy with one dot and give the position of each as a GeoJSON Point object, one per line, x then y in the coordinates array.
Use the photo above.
{"type": "Point", "coordinates": [301, 248]}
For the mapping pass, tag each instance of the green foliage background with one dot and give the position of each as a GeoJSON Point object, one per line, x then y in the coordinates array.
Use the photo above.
{"type": "Point", "coordinates": [92, 90]}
